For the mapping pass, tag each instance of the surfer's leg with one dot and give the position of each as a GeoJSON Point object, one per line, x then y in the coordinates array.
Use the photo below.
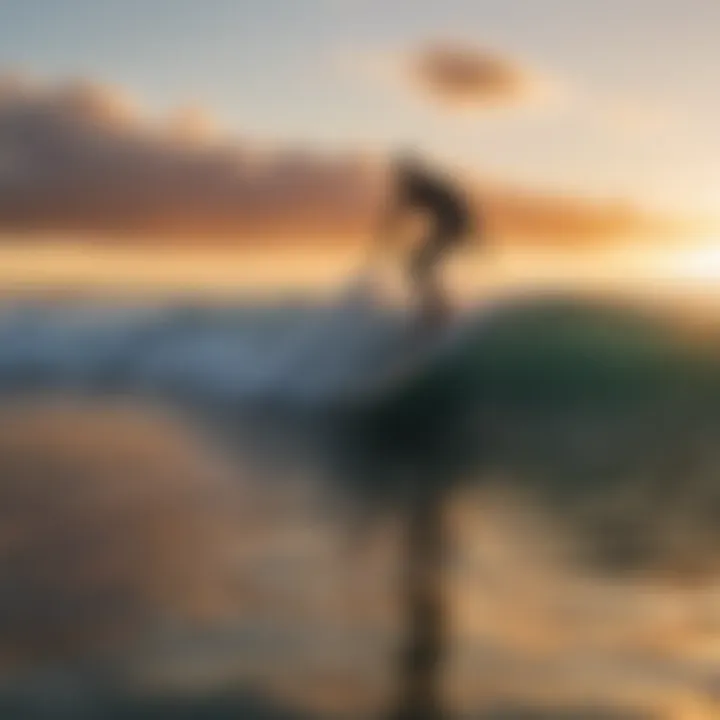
{"type": "Point", "coordinates": [424, 269]}
{"type": "Point", "coordinates": [423, 261]}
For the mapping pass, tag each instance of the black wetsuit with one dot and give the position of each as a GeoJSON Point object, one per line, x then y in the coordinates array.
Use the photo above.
{"type": "Point", "coordinates": [451, 223]}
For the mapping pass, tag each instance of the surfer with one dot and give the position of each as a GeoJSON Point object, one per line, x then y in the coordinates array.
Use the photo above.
{"type": "Point", "coordinates": [449, 223]}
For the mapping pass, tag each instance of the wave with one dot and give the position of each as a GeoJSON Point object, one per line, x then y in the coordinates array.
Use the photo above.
{"type": "Point", "coordinates": [608, 414]}
{"type": "Point", "coordinates": [304, 354]}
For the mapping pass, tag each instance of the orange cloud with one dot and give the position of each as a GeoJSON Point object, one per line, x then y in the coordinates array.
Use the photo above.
{"type": "Point", "coordinates": [460, 75]}
{"type": "Point", "coordinates": [81, 159]}
{"type": "Point", "coordinates": [530, 217]}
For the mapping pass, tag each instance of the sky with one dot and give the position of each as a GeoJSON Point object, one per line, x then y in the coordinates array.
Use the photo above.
{"type": "Point", "coordinates": [558, 102]}
{"type": "Point", "coordinates": [638, 115]}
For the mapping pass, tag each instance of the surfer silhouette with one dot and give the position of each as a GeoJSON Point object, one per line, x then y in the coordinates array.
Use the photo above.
{"type": "Point", "coordinates": [449, 218]}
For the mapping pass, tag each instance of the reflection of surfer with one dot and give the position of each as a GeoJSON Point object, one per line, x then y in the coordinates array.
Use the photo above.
{"type": "Point", "coordinates": [449, 224]}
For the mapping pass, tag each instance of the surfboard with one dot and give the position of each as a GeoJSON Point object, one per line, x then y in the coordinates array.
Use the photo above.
{"type": "Point", "coordinates": [459, 337]}
{"type": "Point", "coordinates": [426, 341]}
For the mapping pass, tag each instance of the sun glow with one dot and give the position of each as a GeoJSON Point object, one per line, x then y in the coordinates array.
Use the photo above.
{"type": "Point", "coordinates": [698, 264]}
{"type": "Point", "coordinates": [701, 264]}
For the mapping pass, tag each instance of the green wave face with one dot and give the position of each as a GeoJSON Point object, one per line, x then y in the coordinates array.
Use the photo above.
{"type": "Point", "coordinates": [608, 415]}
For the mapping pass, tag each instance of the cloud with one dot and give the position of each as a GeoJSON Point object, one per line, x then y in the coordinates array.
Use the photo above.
{"type": "Point", "coordinates": [533, 218]}
{"type": "Point", "coordinates": [81, 159]}
{"type": "Point", "coordinates": [463, 76]}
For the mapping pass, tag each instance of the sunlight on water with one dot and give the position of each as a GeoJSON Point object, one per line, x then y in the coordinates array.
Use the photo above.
{"type": "Point", "coordinates": [530, 626]}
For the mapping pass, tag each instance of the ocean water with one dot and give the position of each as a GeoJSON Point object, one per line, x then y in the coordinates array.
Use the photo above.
{"type": "Point", "coordinates": [576, 445]}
